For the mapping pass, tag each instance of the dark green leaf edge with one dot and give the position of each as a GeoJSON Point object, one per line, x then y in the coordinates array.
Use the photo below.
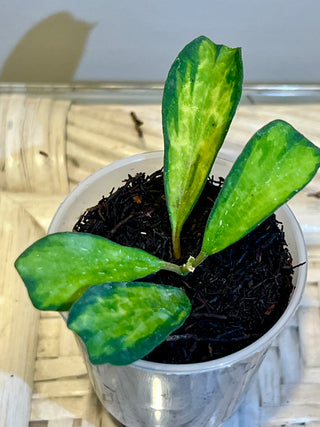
{"type": "Point", "coordinates": [232, 178]}
{"type": "Point", "coordinates": [190, 50]}
{"type": "Point", "coordinates": [32, 266]}
{"type": "Point", "coordinates": [123, 355]}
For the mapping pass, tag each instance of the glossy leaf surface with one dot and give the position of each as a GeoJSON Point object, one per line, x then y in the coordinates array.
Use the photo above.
{"type": "Point", "coordinates": [122, 322]}
{"type": "Point", "coordinates": [275, 164]}
{"type": "Point", "coordinates": [60, 267]}
{"type": "Point", "coordinates": [201, 93]}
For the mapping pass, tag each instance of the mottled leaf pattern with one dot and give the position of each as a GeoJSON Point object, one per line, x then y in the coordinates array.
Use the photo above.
{"type": "Point", "coordinates": [202, 91]}
{"type": "Point", "coordinates": [122, 322]}
{"type": "Point", "coordinates": [60, 267]}
{"type": "Point", "coordinates": [275, 164]}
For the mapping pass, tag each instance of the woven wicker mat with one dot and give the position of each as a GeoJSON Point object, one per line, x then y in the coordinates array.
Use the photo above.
{"type": "Point", "coordinates": [59, 143]}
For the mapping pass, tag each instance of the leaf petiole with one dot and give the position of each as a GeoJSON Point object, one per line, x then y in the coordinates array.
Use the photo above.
{"type": "Point", "coordinates": [199, 259]}
{"type": "Point", "coordinates": [176, 244]}
{"type": "Point", "coordinates": [172, 267]}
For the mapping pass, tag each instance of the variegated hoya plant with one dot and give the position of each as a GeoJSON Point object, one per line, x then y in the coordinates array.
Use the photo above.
{"type": "Point", "coordinates": [120, 319]}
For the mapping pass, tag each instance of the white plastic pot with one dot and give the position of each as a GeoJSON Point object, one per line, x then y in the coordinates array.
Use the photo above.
{"type": "Point", "coordinates": [154, 394]}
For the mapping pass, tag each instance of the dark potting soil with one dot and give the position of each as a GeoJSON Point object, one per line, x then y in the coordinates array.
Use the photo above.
{"type": "Point", "coordinates": [237, 295]}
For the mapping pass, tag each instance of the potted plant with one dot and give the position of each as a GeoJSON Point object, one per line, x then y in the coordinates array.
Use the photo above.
{"type": "Point", "coordinates": [121, 318]}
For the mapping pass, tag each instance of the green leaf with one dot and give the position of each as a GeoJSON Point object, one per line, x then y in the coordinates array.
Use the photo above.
{"type": "Point", "coordinates": [60, 267]}
{"type": "Point", "coordinates": [275, 164]}
{"type": "Point", "coordinates": [122, 322]}
{"type": "Point", "coordinates": [201, 94]}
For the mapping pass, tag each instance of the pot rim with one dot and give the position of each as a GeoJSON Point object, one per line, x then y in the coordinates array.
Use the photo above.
{"type": "Point", "coordinates": [251, 349]}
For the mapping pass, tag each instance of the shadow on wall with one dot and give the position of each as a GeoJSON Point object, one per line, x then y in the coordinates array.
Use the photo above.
{"type": "Point", "coordinates": [50, 52]}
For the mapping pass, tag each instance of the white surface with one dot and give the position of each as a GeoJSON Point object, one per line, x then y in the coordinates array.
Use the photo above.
{"type": "Point", "coordinates": [18, 410]}
{"type": "Point", "coordinates": [137, 41]}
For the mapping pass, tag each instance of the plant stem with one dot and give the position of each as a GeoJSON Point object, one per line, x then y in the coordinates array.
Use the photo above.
{"type": "Point", "coordinates": [189, 267]}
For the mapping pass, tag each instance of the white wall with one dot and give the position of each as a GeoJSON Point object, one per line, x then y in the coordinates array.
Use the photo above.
{"type": "Point", "coordinates": [121, 40]}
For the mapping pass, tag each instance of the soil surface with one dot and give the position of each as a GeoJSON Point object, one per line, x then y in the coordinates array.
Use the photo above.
{"type": "Point", "coordinates": [236, 295]}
